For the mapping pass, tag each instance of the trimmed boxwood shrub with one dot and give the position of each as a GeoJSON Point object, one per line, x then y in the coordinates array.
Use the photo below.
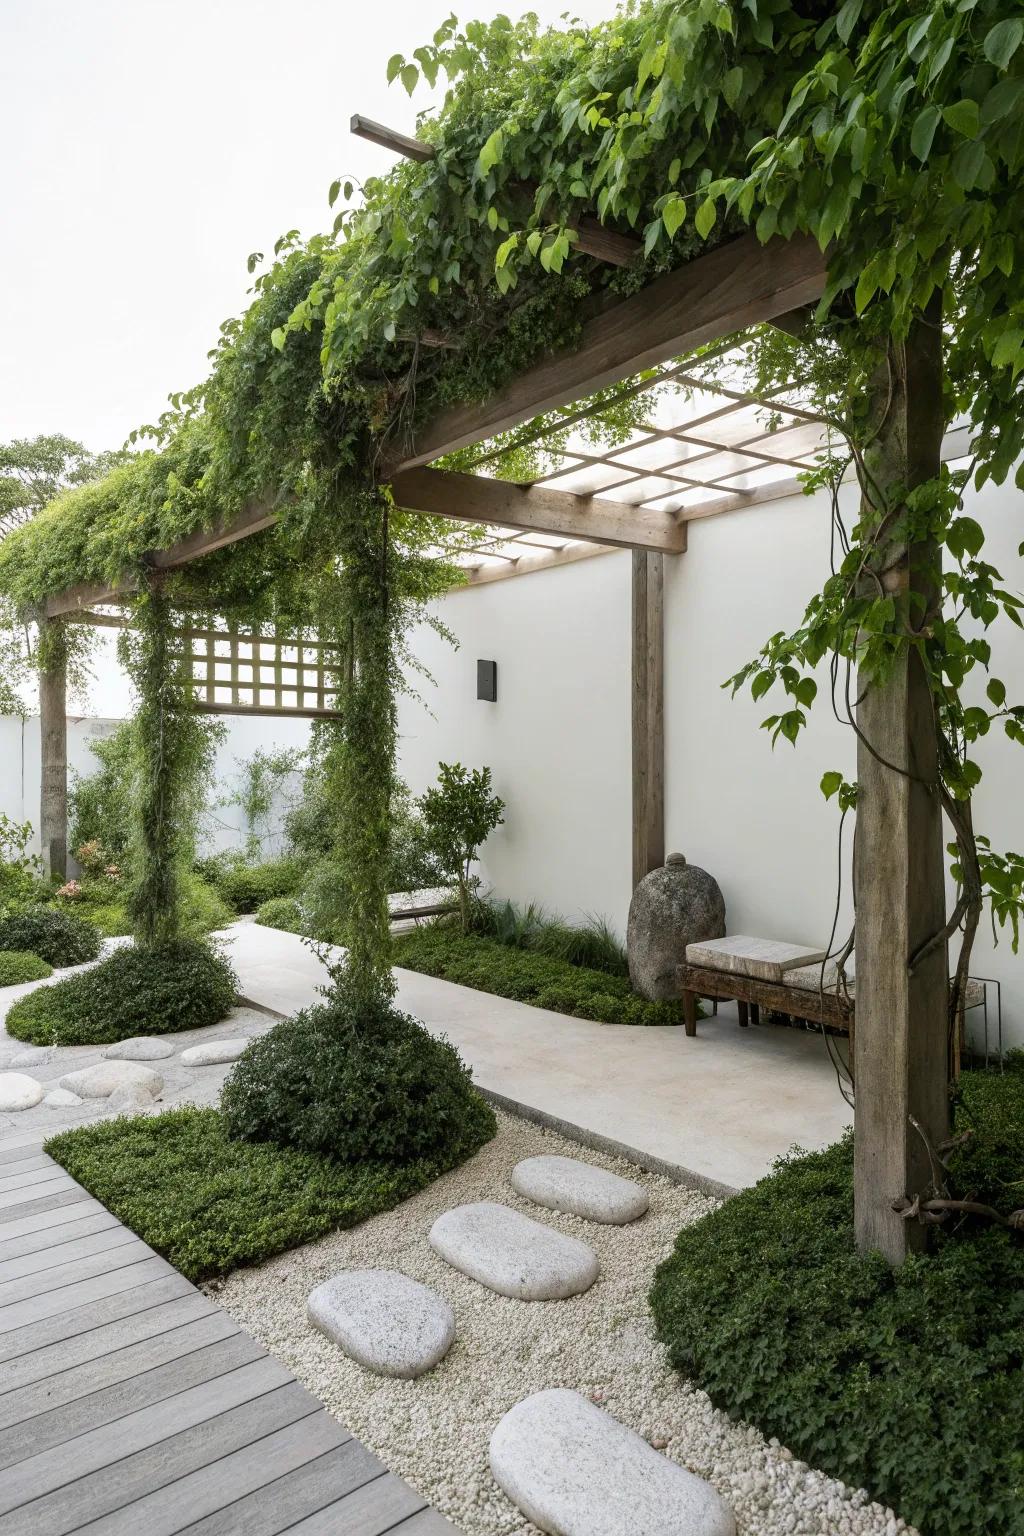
{"type": "Point", "coordinates": [439, 950]}
{"type": "Point", "coordinates": [134, 992]}
{"type": "Point", "coordinates": [282, 912]}
{"type": "Point", "coordinates": [373, 1085]}
{"type": "Point", "coordinates": [55, 936]}
{"type": "Point", "coordinates": [20, 965]}
{"type": "Point", "coordinates": [907, 1382]}
{"type": "Point", "coordinates": [209, 1203]}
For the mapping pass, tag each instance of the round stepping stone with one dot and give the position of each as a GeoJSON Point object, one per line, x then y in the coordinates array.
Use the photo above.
{"type": "Point", "coordinates": [60, 1098]}
{"type": "Point", "coordinates": [106, 1077]}
{"type": "Point", "coordinates": [580, 1189]}
{"type": "Point", "coordinates": [19, 1091]}
{"type": "Point", "coordinates": [512, 1254]}
{"type": "Point", "coordinates": [575, 1471]}
{"type": "Point", "coordinates": [34, 1056]}
{"type": "Point", "coordinates": [384, 1320]}
{"type": "Point", "coordinates": [139, 1048]}
{"type": "Point", "coordinates": [213, 1052]}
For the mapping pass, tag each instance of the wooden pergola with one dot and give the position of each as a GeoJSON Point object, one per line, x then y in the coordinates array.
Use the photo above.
{"type": "Point", "coordinates": [679, 471]}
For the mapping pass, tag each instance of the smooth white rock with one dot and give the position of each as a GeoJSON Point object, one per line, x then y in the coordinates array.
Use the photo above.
{"type": "Point", "coordinates": [106, 1077]}
{"type": "Point", "coordinates": [132, 1100]}
{"type": "Point", "coordinates": [383, 1320]}
{"type": "Point", "coordinates": [32, 1056]}
{"type": "Point", "coordinates": [580, 1189]}
{"type": "Point", "coordinates": [19, 1091]}
{"type": "Point", "coordinates": [214, 1052]}
{"type": "Point", "coordinates": [575, 1471]}
{"type": "Point", "coordinates": [140, 1048]}
{"type": "Point", "coordinates": [512, 1254]}
{"type": "Point", "coordinates": [60, 1098]}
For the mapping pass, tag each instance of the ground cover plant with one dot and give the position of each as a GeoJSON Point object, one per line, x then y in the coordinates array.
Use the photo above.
{"type": "Point", "coordinates": [592, 943]}
{"type": "Point", "coordinates": [55, 936]}
{"type": "Point", "coordinates": [136, 991]}
{"type": "Point", "coordinates": [527, 977]}
{"type": "Point", "coordinates": [20, 965]}
{"type": "Point", "coordinates": [209, 1202]}
{"type": "Point", "coordinates": [907, 1381]}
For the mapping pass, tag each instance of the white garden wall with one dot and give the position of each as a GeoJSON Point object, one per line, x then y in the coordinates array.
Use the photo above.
{"type": "Point", "coordinates": [558, 743]}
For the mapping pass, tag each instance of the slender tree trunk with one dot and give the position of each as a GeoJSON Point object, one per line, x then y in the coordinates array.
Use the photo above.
{"type": "Point", "coordinates": [901, 1042]}
{"type": "Point", "coordinates": [53, 746]}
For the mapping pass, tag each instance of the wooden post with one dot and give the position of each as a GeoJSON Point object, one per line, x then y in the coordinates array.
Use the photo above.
{"type": "Point", "coordinates": [53, 747]}
{"type": "Point", "coordinates": [647, 692]}
{"type": "Point", "coordinates": [900, 1049]}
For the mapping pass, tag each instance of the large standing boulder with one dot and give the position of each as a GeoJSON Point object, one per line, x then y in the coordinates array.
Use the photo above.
{"type": "Point", "coordinates": [676, 905]}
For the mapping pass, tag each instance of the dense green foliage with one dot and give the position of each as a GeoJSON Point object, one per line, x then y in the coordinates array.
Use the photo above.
{"type": "Point", "coordinates": [459, 813]}
{"type": "Point", "coordinates": [20, 872]}
{"type": "Point", "coordinates": [540, 979]}
{"type": "Point", "coordinates": [135, 991]}
{"type": "Point", "coordinates": [209, 1203]}
{"type": "Point", "coordinates": [592, 944]}
{"type": "Point", "coordinates": [20, 965]}
{"type": "Point", "coordinates": [246, 886]}
{"type": "Point", "coordinates": [101, 902]}
{"type": "Point", "coordinates": [906, 1382]}
{"type": "Point", "coordinates": [55, 936]}
{"type": "Point", "coordinates": [346, 1081]}
{"type": "Point", "coordinates": [100, 803]}
{"type": "Point", "coordinates": [282, 912]}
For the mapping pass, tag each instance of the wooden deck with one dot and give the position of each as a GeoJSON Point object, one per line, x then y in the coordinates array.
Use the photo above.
{"type": "Point", "coordinates": [131, 1405]}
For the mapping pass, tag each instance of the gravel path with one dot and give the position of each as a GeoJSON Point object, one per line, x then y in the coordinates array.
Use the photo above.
{"type": "Point", "coordinates": [435, 1431]}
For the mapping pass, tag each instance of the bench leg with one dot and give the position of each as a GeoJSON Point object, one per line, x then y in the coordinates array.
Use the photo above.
{"type": "Point", "coordinates": [690, 1012]}
{"type": "Point", "coordinates": [744, 1013]}
{"type": "Point", "coordinates": [755, 1013]}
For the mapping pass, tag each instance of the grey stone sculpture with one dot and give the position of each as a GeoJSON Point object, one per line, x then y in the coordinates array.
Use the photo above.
{"type": "Point", "coordinates": [676, 905]}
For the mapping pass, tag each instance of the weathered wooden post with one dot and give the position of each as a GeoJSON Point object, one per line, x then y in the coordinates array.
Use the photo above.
{"type": "Point", "coordinates": [900, 1051]}
{"type": "Point", "coordinates": [647, 695]}
{"type": "Point", "coordinates": [53, 747]}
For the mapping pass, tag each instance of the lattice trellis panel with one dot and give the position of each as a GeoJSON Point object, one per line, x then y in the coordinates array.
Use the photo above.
{"type": "Point", "coordinates": [235, 672]}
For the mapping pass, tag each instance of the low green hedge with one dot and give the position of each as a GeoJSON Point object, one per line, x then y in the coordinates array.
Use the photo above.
{"type": "Point", "coordinates": [440, 950]}
{"type": "Point", "coordinates": [20, 965]}
{"type": "Point", "coordinates": [282, 912]}
{"type": "Point", "coordinates": [55, 936]}
{"type": "Point", "coordinates": [907, 1382]}
{"type": "Point", "coordinates": [133, 992]}
{"type": "Point", "coordinates": [245, 887]}
{"type": "Point", "coordinates": [209, 1204]}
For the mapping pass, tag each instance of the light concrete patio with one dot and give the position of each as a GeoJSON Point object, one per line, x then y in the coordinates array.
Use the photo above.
{"type": "Point", "coordinates": [720, 1107]}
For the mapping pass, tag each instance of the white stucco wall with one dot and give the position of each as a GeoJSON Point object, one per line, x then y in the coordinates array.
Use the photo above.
{"type": "Point", "coordinates": [558, 743]}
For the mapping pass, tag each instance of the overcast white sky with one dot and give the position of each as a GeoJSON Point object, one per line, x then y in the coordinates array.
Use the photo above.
{"type": "Point", "coordinates": [148, 147]}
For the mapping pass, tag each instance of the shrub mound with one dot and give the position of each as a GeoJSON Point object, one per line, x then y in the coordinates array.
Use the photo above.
{"type": "Point", "coordinates": [282, 912]}
{"type": "Point", "coordinates": [245, 887]}
{"type": "Point", "coordinates": [357, 1086]}
{"type": "Point", "coordinates": [203, 909]}
{"type": "Point", "coordinates": [209, 1203]}
{"type": "Point", "coordinates": [906, 1382]}
{"type": "Point", "coordinates": [21, 965]}
{"type": "Point", "coordinates": [528, 977]}
{"type": "Point", "coordinates": [55, 936]}
{"type": "Point", "coordinates": [134, 992]}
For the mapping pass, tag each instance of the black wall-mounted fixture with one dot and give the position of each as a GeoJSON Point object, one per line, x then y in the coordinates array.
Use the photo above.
{"type": "Point", "coordinates": [487, 681]}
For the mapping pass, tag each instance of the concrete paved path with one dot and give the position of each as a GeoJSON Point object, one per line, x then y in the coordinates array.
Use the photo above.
{"type": "Point", "coordinates": [721, 1107]}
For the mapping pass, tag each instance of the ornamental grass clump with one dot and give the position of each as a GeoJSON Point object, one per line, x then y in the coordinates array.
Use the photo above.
{"type": "Point", "coordinates": [185, 985]}
{"type": "Point", "coordinates": [355, 1083]}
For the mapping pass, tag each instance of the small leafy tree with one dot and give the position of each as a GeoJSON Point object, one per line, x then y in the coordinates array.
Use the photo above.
{"type": "Point", "coordinates": [460, 813]}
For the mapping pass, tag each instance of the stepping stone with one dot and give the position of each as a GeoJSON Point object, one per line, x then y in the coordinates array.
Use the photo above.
{"type": "Point", "coordinates": [106, 1077]}
{"type": "Point", "coordinates": [575, 1471]}
{"type": "Point", "coordinates": [580, 1189]}
{"type": "Point", "coordinates": [214, 1052]}
{"type": "Point", "coordinates": [133, 1100]}
{"type": "Point", "coordinates": [512, 1254]}
{"type": "Point", "coordinates": [19, 1091]}
{"type": "Point", "coordinates": [384, 1320]}
{"type": "Point", "coordinates": [140, 1048]}
{"type": "Point", "coordinates": [34, 1056]}
{"type": "Point", "coordinates": [60, 1098]}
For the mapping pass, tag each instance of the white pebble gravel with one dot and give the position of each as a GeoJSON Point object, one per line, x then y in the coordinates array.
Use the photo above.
{"type": "Point", "coordinates": [435, 1431]}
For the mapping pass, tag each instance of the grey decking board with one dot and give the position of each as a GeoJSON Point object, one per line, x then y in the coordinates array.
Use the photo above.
{"type": "Point", "coordinates": [54, 1255]}
{"type": "Point", "coordinates": [426, 1523]}
{"type": "Point", "coordinates": [53, 1196]}
{"type": "Point", "coordinates": [49, 1330]}
{"type": "Point", "coordinates": [29, 1159]}
{"type": "Point", "coordinates": [211, 1489]}
{"type": "Point", "coordinates": [58, 1277]}
{"type": "Point", "coordinates": [25, 1178]}
{"type": "Point", "coordinates": [109, 1405]}
{"type": "Point", "coordinates": [57, 1233]}
{"type": "Point", "coordinates": [311, 1487]}
{"type": "Point", "coordinates": [73, 1506]}
{"type": "Point", "coordinates": [14, 1148]}
{"type": "Point", "coordinates": [48, 1212]}
{"type": "Point", "coordinates": [66, 1383]}
{"type": "Point", "coordinates": [70, 1297]}
{"type": "Point", "coordinates": [372, 1510]}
